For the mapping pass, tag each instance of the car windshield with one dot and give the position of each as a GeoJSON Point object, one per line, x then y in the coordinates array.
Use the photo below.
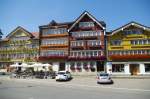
{"type": "Point", "coordinates": [61, 73]}
{"type": "Point", "coordinates": [104, 74]}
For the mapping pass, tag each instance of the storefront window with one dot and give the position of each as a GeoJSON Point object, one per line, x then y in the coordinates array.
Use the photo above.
{"type": "Point", "coordinates": [85, 65]}
{"type": "Point", "coordinates": [72, 66]}
{"type": "Point", "coordinates": [147, 67]}
{"type": "Point", "coordinates": [79, 66]}
{"type": "Point", "coordinates": [92, 66]}
{"type": "Point", "coordinates": [118, 68]}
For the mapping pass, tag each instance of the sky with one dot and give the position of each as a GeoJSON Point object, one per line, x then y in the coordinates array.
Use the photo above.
{"type": "Point", "coordinates": [30, 14]}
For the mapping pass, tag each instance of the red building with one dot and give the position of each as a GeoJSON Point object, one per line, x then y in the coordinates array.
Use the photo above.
{"type": "Point", "coordinates": [87, 44]}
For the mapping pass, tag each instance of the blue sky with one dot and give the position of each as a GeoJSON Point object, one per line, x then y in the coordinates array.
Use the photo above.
{"type": "Point", "coordinates": [32, 13]}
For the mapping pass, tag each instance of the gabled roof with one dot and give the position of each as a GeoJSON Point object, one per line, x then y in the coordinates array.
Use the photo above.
{"type": "Point", "coordinates": [100, 23]}
{"type": "Point", "coordinates": [19, 28]}
{"type": "Point", "coordinates": [35, 34]}
{"type": "Point", "coordinates": [54, 23]}
{"type": "Point", "coordinates": [132, 23]}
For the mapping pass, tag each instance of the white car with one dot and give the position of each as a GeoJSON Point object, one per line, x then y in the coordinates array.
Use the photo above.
{"type": "Point", "coordinates": [103, 78]}
{"type": "Point", "coordinates": [63, 75]}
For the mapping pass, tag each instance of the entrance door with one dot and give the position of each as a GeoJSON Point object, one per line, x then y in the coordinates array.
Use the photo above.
{"type": "Point", "coordinates": [61, 66]}
{"type": "Point", "coordinates": [134, 69]}
{"type": "Point", "coordinates": [100, 66]}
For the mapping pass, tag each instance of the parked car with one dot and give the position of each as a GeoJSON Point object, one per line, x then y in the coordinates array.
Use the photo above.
{"type": "Point", "coordinates": [104, 78]}
{"type": "Point", "coordinates": [63, 75]}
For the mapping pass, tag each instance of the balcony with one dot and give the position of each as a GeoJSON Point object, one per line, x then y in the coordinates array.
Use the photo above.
{"type": "Point", "coordinates": [87, 58]}
{"type": "Point", "coordinates": [93, 47]}
{"type": "Point", "coordinates": [54, 46]}
{"type": "Point", "coordinates": [55, 35]}
{"type": "Point", "coordinates": [116, 47]}
{"type": "Point", "coordinates": [130, 57]}
{"type": "Point", "coordinates": [141, 46]}
{"type": "Point", "coordinates": [53, 57]}
{"type": "Point", "coordinates": [77, 47]}
{"type": "Point", "coordinates": [5, 60]}
{"type": "Point", "coordinates": [86, 35]}
{"type": "Point", "coordinates": [87, 28]}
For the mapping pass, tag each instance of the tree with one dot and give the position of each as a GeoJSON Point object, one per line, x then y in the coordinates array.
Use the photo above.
{"type": "Point", "coordinates": [1, 34]}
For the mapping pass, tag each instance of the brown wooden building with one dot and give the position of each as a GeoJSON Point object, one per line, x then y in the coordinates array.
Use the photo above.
{"type": "Point", "coordinates": [87, 44]}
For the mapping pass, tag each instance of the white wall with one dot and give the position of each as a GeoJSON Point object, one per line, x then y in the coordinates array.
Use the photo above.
{"type": "Point", "coordinates": [127, 68]}
{"type": "Point", "coordinates": [109, 67]}
{"type": "Point", "coordinates": [142, 68]}
{"type": "Point", "coordinates": [55, 66]}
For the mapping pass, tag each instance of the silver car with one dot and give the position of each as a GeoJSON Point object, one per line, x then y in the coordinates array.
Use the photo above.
{"type": "Point", "coordinates": [103, 78]}
{"type": "Point", "coordinates": [63, 75]}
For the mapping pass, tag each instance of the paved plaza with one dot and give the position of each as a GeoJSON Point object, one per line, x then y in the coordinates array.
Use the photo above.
{"type": "Point", "coordinates": [79, 87]}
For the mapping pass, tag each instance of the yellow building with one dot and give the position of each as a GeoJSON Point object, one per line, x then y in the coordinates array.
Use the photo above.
{"type": "Point", "coordinates": [129, 50]}
{"type": "Point", "coordinates": [19, 46]}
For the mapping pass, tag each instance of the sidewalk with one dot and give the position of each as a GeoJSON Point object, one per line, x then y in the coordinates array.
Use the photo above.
{"type": "Point", "coordinates": [117, 76]}
{"type": "Point", "coordinates": [94, 76]}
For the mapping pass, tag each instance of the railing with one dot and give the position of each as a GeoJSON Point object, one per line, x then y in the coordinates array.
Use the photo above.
{"type": "Point", "coordinates": [54, 35]}
{"type": "Point", "coordinates": [53, 57]}
{"type": "Point", "coordinates": [87, 58]}
{"type": "Point", "coordinates": [86, 34]}
{"type": "Point", "coordinates": [54, 45]}
{"type": "Point", "coordinates": [19, 50]}
{"type": "Point", "coordinates": [77, 44]}
{"type": "Point", "coordinates": [127, 57]}
{"type": "Point", "coordinates": [5, 60]}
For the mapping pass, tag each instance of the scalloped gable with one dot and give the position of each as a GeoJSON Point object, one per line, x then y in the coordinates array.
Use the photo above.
{"type": "Point", "coordinates": [82, 16]}
{"type": "Point", "coordinates": [19, 28]}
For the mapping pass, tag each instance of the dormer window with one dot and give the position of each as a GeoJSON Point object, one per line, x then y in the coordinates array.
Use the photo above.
{"type": "Point", "coordinates": [86, 24]}
{"type": "Point", "coordinates": [133, 31]}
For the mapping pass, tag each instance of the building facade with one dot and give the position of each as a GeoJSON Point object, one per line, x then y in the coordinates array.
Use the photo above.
{"type": "Point", "coordinates": [19, 46]}
{"type": "Point", "coordinates": [129, 50]}
{"type": "Point", "coordinates": [74, 46]}
{"type": "Point", "coordinates": [87, 44]}
{"type": "Point", "coordinates": [54, 45]}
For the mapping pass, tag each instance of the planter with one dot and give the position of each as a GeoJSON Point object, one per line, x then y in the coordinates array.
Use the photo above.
{"type": "Point", "coordinates": [92, 69]}
{"type": "Point", "coordinates": [72, 68]}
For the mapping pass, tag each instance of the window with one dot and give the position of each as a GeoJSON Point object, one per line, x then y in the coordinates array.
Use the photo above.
{"type": "Point", "coordinates": [72, 66]}
{"type": "Point", "coordinates": [133, 31]}
{"type": "Point", "coordinates": [54, 31]}
{"type": "Point", "coordinates": [147, 67]}
{"type": "Point", "coordinates": [86, 33]}
{"type": "Point", "coordinates": [94, 42]}
{"type": "Point", "coordinates": [54, 41]}
{"type": "Point", "coordinates": [117, 67]}
{"type": "Point", "coordinates": [95, 53]}
{"type": "Point", "coordinates": [79, 66]}
{"type": "Point", "coordinates": [140, 42]}
{"type": "Point", "coordinates": [85, 65]}
{"type": "Point", "coordinates": [86, 24]}
{"type": "Point", "coordinates": [53, 52]}
{"type": "Point", "coordinates": [116, 42]}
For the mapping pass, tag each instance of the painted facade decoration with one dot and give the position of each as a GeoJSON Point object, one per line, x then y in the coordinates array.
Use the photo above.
{"type": "Point", "coordinates": [19, 46]}
{"type": "Point", "coordinates": [129, 50]}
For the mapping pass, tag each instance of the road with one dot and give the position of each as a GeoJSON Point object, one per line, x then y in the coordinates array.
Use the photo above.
{"type": "Point", "coordinates": [78, 88]}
